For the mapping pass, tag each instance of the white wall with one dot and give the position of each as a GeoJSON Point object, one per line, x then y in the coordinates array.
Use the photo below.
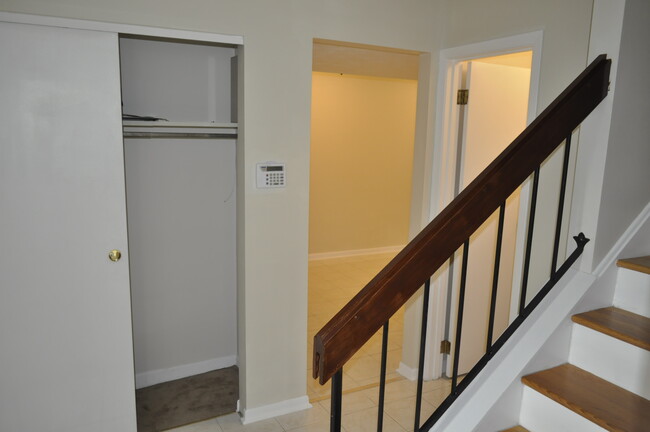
{"type": "Point", "coordinates": [274, 125]}
{"type": "Point", "coordinates": [176, 81]}
{"type": "Point", "coordinates": [626, 182]}
{"type": "Point", "coordinates": [181, 215]}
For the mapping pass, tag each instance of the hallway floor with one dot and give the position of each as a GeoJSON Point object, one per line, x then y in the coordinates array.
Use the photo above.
{"type": "Point", "coordinates": [359, 412]}
{"type": "Point", "coordinates": [332, 283]}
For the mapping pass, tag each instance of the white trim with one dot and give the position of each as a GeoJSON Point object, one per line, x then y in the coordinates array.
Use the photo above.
{"type": "Point", "coordinates": [629, 233]}
{"type": "Point", "coordinates": [149, 378]}
{"type": "Point", "coordinates": [409, 373]}
{"type": "Point", "coordinates": [121, 28]}
{"type": "Point", "coordinates": [433, 359]}
{"type": "Point", "coordinates": [288, 406]}
{"type": "Point", "coordinates": [444, 158]}
{"type": "Point", "coordinates": [354, 252]}
{"type": "Point", "coordinates": [605, 37]}
{"type": "Point", "coordinates": [444, 151]}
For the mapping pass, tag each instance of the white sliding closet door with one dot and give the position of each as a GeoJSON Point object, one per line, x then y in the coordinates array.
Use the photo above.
{"type": "Point", "coordinates": [66, 358]}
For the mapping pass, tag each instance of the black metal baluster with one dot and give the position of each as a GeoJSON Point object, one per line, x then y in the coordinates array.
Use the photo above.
{"type": "Point", "coordinates": [560, 209]}
{"type": "Point", "coordinates": [495, 276]}
{"type": "Point", "coordinates": [423, 337]}
{"type": "Point", "coordinates": [459, 320]}
{"type": "Point", "coordinates": [529, 241]}
{"type": "Point", "coordinates": [581, 241]}
{"type": "Point", "coordinates": [382, 378]}
{"type": "Point", "coordinates": [337, 399]}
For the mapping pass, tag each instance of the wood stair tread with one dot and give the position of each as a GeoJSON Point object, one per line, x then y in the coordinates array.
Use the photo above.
{"type": "Point", "coordinates": [640, 264]}
{"type": "Point", "coordinates": [600, 401]}
{"type": "Point", "coordinates": [516, 429]}
{"type": "Point", "coordinates": [618, 323]}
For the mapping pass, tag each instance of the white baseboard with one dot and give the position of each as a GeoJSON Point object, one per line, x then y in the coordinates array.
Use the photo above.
{"type": "Point", "coordinates": [149, 378]}
{"type": "Point", "coordinates": [354, 252]}
{"type": "Point", "coordinates": [407, 372]}
{"type": "Point", "coordinates": [253, 415]}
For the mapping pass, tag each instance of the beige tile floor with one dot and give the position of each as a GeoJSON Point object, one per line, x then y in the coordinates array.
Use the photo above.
{"type": "Point", "coordinates": [332, 283]}
{"type": "Point", "coordinates": [359, 412]}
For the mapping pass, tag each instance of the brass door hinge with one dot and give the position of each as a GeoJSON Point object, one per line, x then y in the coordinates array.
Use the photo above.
{"type": "Point", "coordinates": [462, 96]}
{"type": "Point", "coordinates": [445, 347]}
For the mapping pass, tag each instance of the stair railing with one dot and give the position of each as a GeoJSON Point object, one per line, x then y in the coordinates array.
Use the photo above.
{"type": "Point", "coordinates": [413, 267]}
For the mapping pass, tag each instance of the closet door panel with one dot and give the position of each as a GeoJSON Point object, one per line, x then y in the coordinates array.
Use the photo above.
{"type": "Point", "coordinates": [65, 326]}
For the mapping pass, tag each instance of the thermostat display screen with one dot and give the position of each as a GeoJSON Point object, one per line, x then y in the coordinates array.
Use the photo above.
{"type": "Point", "coordinates": [270, 175]}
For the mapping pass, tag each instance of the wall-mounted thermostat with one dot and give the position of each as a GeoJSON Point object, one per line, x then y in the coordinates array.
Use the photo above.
{"type": "Point", "coordinates": [270, 175]}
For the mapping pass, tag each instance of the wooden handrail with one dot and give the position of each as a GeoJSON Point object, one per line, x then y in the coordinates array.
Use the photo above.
{"type": "Point", "coordinates": [362, 316]}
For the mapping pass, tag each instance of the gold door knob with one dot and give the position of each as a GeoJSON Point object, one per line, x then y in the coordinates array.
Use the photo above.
{"type": "Point", "coordinates": [114, 255]}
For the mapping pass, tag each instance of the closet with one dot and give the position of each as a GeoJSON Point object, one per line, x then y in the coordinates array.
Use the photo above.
{"type": "Point", "coordinates": [179, 150]}
{"type": "Point", "coordinates": [67, 266]}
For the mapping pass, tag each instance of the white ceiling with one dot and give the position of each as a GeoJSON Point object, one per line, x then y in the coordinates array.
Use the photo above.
{"type": "Point", "coordinates": [355, 59]}
{"type": "Point", "coordinates": [522, 59]}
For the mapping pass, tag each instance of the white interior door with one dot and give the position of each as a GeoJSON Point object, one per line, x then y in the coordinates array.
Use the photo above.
{"type": "Point", "coordinates": [495, 114]}
{"type": "Point", "coordinates": [65, 327]}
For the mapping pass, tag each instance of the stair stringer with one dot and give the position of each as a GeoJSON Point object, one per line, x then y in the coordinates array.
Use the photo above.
{"type": "Point", "coordinates": [633, 242]}
{"type": "Point", "coordinates": [505, 412]}
{"type": "Point", "coordinates": [509, 364]}
{"type": "Point", "coordinates": [494, 398]}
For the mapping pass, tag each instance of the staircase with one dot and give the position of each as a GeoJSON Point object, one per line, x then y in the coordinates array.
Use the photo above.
{"type": "Point", "coordinates": [447, 235]}
{"type": "Point", "coordinates": [606, 384]}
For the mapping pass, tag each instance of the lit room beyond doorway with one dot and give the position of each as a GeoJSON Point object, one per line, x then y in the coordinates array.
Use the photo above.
{"type": "Point", "coordinates": [362, 134]}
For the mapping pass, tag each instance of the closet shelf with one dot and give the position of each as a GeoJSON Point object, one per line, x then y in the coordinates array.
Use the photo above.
{"type": "Point", "coordinates": [165, 129]}
{"type": "Point", "coordinates": [183, 125]}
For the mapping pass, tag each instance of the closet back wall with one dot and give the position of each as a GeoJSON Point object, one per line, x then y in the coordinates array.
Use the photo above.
{"type": "Point", "coordinates": [181, 212]}
{"type": "Point", "coordinates": [185, 82]}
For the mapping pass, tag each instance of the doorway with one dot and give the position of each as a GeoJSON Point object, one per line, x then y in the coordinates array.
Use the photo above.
{"type": "Point", "coordinates": [362, 140]}
{"type": "Point", "coordinates": [458, 158]}
{"type": "Point", "coordinates": [179, 158]}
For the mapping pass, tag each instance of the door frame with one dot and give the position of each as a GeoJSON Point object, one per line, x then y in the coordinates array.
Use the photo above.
{"type": "Point", "coordinates": [444, 164]}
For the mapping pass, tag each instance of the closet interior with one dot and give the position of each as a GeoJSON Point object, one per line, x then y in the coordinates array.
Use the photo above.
{"type": "Point", "coordinates": [179, 109]}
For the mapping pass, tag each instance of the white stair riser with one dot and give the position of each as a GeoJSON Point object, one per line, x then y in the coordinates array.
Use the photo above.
{"type": "Point", "coordinates": [618, 362]}
{"type": "Point", "coordinates": [633, 291]}
{"type": "Point", "coordinates": [541, 414]}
